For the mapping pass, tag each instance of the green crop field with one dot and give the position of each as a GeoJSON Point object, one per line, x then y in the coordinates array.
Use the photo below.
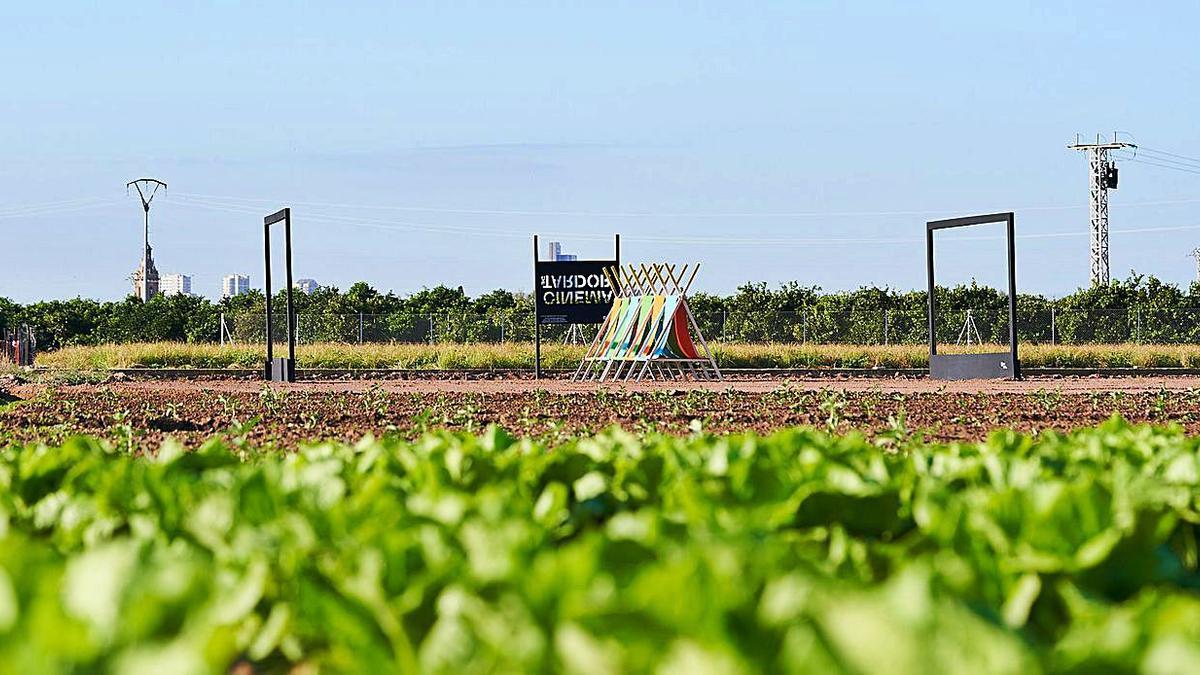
{"type": "Point", "coordinates": [520, 355]}
{"type": "Point", "coordinates": [795, 552]}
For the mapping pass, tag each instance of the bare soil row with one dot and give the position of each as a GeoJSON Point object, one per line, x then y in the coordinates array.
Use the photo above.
{"type": "Point", "coordinates": [142, 415]}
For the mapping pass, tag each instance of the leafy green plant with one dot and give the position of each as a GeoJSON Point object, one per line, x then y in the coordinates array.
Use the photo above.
{"type": "Point", "coordinates": [375, 400]}
{"type": "Point", "coordinates": [271, 399]}
{"type": "Point", "coordinates": [123, 429]}
{"type": "Point", "coordinates": [228, 406]}
{"type": "Point", "coordinates": [1048, 399]}
{"type": "Point", "coordinates": [833, 403]}
{"type": "Point", "coordinates": [795, 552]}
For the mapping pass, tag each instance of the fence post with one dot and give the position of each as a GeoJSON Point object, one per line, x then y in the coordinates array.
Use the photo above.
{"type": "Point", "coordinates": [724, 321]}
{"type": "Point", "coordinates": [221, 329]}
{"type": "Point", "coordinates": [887, 325]}
{"type": "Point", "coordinates": [1139, 324]}
{"type": "Point", "coordinates": [1053, 334]}
{"type": "Point", "coordinates": [430, 329]}
{"type": "Point", "coordinates": [360, 321]}
{"type": "Point", "coordinates": [803, 326]}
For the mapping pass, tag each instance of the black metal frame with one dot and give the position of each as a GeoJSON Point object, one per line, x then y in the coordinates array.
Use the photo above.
{"type": "Point", "coordinates": [280, 370]}
{"type": "Point", "coordinates": [974, 366]}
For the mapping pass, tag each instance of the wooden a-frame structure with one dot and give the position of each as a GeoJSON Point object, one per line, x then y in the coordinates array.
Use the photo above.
{"type": "Point", "coordinates": [650, 330]}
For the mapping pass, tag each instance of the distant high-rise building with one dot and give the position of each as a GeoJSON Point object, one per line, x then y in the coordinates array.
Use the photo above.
{"type": "Point", "coordinates": [307, 286]}
{"type": "Point", "coordinates": [151, 278]}
{"type": "Point", "coordinates": [554, 250]}
{"type": "Point", "coordinates": [175, 284]}
{"type": "Point", "coordinates": [234, 284]}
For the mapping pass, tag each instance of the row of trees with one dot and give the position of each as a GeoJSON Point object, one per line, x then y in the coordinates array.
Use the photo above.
{"type": "Point", "coordinates": [1139, 308]}
{"type": "Point", "coordinates": [80, 321]}
{"type": "Point", "coordinates": [1136, 309]}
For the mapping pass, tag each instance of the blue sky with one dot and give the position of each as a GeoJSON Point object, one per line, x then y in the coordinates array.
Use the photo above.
{"type": "Point", "coordinates": [768, 141]}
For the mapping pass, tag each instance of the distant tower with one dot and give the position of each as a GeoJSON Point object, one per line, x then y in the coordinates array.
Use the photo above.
{"type": "Point", "coordinates": [145, 284]}
{"type": "Point", "coordinates": [145, 279]}
{"type": "Point", "coordinates": [1196, 254]}
{"type": "Point", "coordinates": [1102, 177]}
{"type": "Point", "coordinates": [234, 284]}
{"type": "Point", "coordinates": [307, 286]}
{"type": "Point", "coordinates": [175, 284]}
{"type": "Point", "coordinates": [554, 251]}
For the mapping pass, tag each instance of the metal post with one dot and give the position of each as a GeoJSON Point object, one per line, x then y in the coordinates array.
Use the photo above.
{"type": "Point", "coordinates": [803, 326]}
{"type": "Point", "coordinates": [1139, 325]}
{"type": "Point", "coordinates": [932, 300]}
{"type": "Point", "coordinates": [360, 327]}
{"type": "Point", "coordinates": [267, 289]}
{"type": "Point", "coordinates": [146, 253]}
{"type": "Point", "coordinates": [537, 317]}
{"type": "Point", "coordinates": [1012, 298]}
{"type": "Point", "coordinates": [1053, 327]}
{"type": "Point", "coordinates": [724, 322]}
{"type": "Point", "coordinates": [291, 311]}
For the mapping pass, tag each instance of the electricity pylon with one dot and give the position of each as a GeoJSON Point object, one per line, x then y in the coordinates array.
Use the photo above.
{"type": "Point", "coordinates": [1102, 178]}
{"type": "Point", "coordinates": [146, 189]}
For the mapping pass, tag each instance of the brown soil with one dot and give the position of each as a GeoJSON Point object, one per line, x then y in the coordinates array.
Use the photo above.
{"type": "Point", "coordinates": [142, 414]}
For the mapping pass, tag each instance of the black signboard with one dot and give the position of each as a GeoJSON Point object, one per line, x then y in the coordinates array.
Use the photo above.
{"type": "Point", "coordinates": [573, 291]}
{"type": "Point", "coordinates": [568, 292]}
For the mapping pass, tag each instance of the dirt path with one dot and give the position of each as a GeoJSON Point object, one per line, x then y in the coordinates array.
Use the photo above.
{"type": "Point", "coordinates": [897, 385]}
{"type": "Point", "coordinates": [142, 414]}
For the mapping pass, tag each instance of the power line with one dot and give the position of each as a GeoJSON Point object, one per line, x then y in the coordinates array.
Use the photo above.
{"type": "Point", "coordinates": [392, 225]}
{"type": "Point", "coordinates": [1168, 160]}
{"type": "Point", "coordinates": [51, 205]}
{"type": "Point", "coordinates": [362, 221]}
{"type": "Point", "coordinates": [1193, 160]}
{"type": "Point", "coordinates": [1183, 167]}
{"type": "Point", "coordinates": [620, 214]}
{"type": "Point", "coordinates": [563, 213]}
{"type": "Point", "coordinates": [657, 214]}
{"type": "Point", "coordinates": [375, 223]}
{"type": "Point", "coordinates": [48, 211]}
{"type": "Point", "coordinates": [1165, 160]}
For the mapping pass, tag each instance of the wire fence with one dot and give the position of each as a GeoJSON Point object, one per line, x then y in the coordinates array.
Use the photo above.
{"type": "Point", "coordinates": [866, 327]}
